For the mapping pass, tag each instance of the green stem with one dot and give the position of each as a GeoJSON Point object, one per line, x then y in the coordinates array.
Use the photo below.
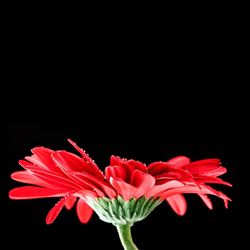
{"type": "Point", "coordinates": [125, 237]}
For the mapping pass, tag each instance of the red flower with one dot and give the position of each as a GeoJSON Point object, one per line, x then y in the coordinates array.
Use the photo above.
{"type": "Point", "coordinates": [167, 180]}
{"type": "Point", "coordinates": [78, 179]}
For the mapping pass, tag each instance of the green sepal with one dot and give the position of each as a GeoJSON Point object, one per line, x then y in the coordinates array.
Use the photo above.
{"type": "Point", "coordinates": [120, 212]}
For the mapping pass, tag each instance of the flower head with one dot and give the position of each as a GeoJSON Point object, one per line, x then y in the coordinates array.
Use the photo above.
{"type": "Point", "coordinates": [128, 190]}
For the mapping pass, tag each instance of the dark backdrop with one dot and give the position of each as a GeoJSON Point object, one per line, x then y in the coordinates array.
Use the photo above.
{"type": "Point", "coordinates": [149, 133]}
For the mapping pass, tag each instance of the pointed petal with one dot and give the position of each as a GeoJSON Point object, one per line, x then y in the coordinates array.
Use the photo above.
{"type": "Point", "coordinates": [29, 178]}
{"type": "Point", "coordinates": [143, 182]}
{"type": "Point", "coordinates": [70, 202]}
{"type": "Point", "coordinates": [206, 200]}
{"type": "Point", "coordinates": [44, 155]}
{"type": "Point", "coordinates": [158, 189]}
{"type": "Point", "coordinates": [54, 179]}
{"type": "Point", "coordinates": [217, 171]}
{"type": "Point", "coordinates": [198, 190]}
{"type": "Point", "coordinates": [178, 203]}
{"type": "Point", "coordinates": [87, 184]}
{"type": "Point", "coordinates": [30, 192]}
{"type": "Point", "coordinates": [87, 159]}
{"type": "Point", "coordinates": [124, 189]}
{"type": "Point", "coordinates": [211, 179]}
{"type": "Point", "coordinates": [96, 184]}
{"type": "Point", "coordinates": [27, 165]}
{"type": "Point", "coordinates": [84, 211]}
{"type": "Point", "coordinates": [70, 162]}
{"type": "Point", "coordinates": [203, 166]}
{"type": "Point", "coordinates": [179, 161]}
{"type": "Point", "coordinates": [53, 213]}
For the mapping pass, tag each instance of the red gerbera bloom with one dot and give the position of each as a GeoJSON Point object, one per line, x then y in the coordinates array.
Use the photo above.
{"type": "Point", "coordinates": [127, 192]}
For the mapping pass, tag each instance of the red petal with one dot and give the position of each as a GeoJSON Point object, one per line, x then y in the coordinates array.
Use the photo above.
{"type": "Point", "coordinates": [203, 166]}
{"type": "Point", "coordinates": [206, 200]}
{"type": "Point", "coordinates": [70, 162]}
{"type": "Point", "coordinates": [44, 155]}
{"type": "Point", "coordinates": [96, 183]}
{"type": "Point", "coordinates": [210, 179]}
{"type": "Point", "coordinates": [55, 179]}
{"type": "Point", "coordinates": [115, 160]}
{"type": "Point", "coordinates": [137, 165]}
{"type": "Point", "coordinates": [217, 172]}
{"type": "Point", "coordinates": [178, 203]}
{"type": "Point", "coordinates": [70, 202]}
{"type": "Point", "coordinates": [88, 184]}
{"type": "Point", "coordinates": [29, 178]}
{"type": "Point", "coordinates": [116, 172]}
{"type": "Point", "coordinates": [197, 190]}
{"type": "Point", "coordinates": [124, 189]}
{"type": "Point", "coordinates": [87, 159]}
{"type": "Point", "coordinates": [158, 168]}
{"type": "Point", "coordinates": [30, 192]}
{"type": "Point", "coordinates": [53, 213]}
{"type": "Point", "coordinates": [27, 165]}
{"type": "Point", "coordinates": [84, 211]}
{"type": "Point", "coordinates": [179, 161]}
{"type": "Point", "coordinates": [158, 189]}
{"type": "Point", "coordinates": [143, 182]}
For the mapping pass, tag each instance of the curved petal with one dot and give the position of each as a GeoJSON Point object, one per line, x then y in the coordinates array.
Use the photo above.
{"type": "Point", "coordinates": [157, 190]}
{"type": "Point", "coordinates": [86, 158]}
{"type": "Point", "coordinates": [157, 168]}
{"type": "Point", "coordinates": [178, 203]}
{"type": "Point", "coordinates": [217, 171]}
{"type": "Point", "coordinates": [203, 166]}
{"type": "Point", "coordinates": [115, 160]}
{"type": "Point", "coordinates": [44, 155]}
{"type": "Point", "coordinates": [30, 192]}
{"type": "Point", "coordinates": [53, 213]}
{"type": "Point", "coordinates": [116, 172]}
{"type": "Point", "coordinates": [124, 189]}
{"type": "Point", "coordinates": [84, 211]}
{"type": "Point", "coordinates": [143, 182]}
{"type": "Point", "coordinates": [206, 200]}
{"type": "Point", "coordinates": [137, 165]}
{"type": "Point", "coordinates": [29, 178]}
{"type": "Point", "coordinates": [96, 184]}
{"type": "Point", "coordinates": [197, 190]}
{"type": "Point", "coordinates": [68, 161]}
{"type": "Point", "coordinates": [179, 161]}
{"type": "Point", "coordinates": [70, 202]}
{"type": "Point", "coordinates": [54, 179]}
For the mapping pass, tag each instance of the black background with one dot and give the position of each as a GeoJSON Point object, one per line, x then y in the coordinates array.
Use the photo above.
{"type": "Point", "coordinates": [143, 101]}
{"type": "Point", "coordinates": [146, 135]}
